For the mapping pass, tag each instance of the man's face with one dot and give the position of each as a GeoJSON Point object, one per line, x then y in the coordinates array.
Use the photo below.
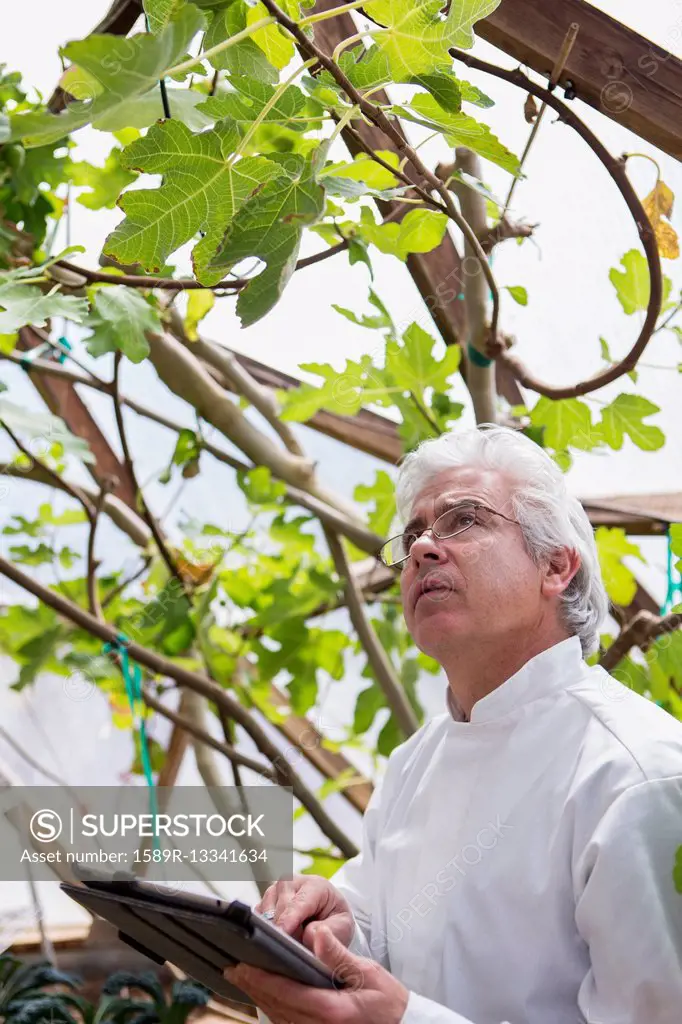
{"type": "Point", "coordinates": [481, 584]}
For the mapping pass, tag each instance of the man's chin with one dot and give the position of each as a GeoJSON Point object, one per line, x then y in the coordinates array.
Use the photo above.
{"type": "Point", "coordinates": [433, 625]}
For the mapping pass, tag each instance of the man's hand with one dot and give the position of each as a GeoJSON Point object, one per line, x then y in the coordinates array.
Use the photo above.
{"type": "Point", "coordinates": [300, 904]}
{"type": "Point", "coordinates": [371, 993]}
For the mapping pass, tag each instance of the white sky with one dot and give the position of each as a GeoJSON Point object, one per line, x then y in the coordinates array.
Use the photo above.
{"type": "Point", "coordinates": [584, 230]}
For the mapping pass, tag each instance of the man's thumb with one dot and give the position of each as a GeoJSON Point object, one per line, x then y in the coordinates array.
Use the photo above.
{"type": "Point", "coordinates": [347, 969]}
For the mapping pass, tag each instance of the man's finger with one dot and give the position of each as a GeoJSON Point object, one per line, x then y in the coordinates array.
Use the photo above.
{"type": "Point", "coordinates": [348, 971]}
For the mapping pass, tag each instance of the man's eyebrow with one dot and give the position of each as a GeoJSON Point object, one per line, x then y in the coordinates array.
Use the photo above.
{"type": "Point", "coordinates": [443, 504]}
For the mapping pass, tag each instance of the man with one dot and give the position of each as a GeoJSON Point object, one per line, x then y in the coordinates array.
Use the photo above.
{"type": "Point", "coordinates": [517, 860]}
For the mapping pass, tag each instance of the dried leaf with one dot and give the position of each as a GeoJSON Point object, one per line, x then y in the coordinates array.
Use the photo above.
{"type": "Point", "coordinates": [659, 205]}
{"type": "Point", "coordinates": [530, 109]}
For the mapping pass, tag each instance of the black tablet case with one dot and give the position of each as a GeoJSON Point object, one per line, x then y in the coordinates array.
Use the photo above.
{"type": "Point", "coordinates": [201, 942]}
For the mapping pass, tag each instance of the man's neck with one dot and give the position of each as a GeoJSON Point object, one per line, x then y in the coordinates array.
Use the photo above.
{"type": "Point", "coordinates": [475, 671]}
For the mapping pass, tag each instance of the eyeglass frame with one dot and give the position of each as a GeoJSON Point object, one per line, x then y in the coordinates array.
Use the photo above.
{"type": "Point", "coordinates": [462, 504]}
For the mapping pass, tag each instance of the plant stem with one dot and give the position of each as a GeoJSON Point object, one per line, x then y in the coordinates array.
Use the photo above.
{"type": "Point", "coordinates": [219, 47]}
{"type": "Point", "coordinates": [335, 12]}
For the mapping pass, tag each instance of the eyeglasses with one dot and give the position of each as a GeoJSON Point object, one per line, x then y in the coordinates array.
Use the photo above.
{"type": "Point", "coordinates": [454, 521]}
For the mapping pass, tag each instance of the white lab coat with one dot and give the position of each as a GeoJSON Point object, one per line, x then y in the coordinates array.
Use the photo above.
{"type": "Point", "coordinates": [518, 868]}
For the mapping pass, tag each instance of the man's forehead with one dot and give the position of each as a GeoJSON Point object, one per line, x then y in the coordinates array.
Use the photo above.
{"type": "Point", "coordinates": [488, 485]}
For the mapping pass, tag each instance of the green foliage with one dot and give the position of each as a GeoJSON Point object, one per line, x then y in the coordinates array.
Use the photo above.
{"type": "Point", "coordinates": [625, 415]}
{"type": "Point", "coordinates": [49, 429]}
{"type": "Point", "coordinates": [23, 303]}
{"type": "Point", "coordinates": [418, 231]}
{"type": "Point", "coordinates": [566, 423]}
{"type": "Point", "coordinates": [119, 318]}
{"type": "Point", "coordinates": [632, 284]}
{"type": "Point", "coordinates": [382, 496]}
{"type": "Point", "coordinates": [612, 547]}
{"type": "Point", "coordinates": [105, 183]}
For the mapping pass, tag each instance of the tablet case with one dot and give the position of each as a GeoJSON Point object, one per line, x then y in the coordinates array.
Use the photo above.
{"type": "Point", "coordinates": [198, 935]}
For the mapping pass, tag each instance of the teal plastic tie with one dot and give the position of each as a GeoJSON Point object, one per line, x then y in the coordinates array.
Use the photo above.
{"type": "Point", "coordinates": [65, 345]}
{"type": "Point", "coordinates": [35, 353]}
{"type": "Point", "coordinates": [477, 358]}
{"type": "Point", "coordinates": [674, 582]}
{"type": "Point", "coordinates": [132, 677]}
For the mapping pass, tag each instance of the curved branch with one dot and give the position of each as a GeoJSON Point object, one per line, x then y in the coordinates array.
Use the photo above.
{"type": "Point", "coordinates": [195, 681]}
{"type": "Point", "coordinates": [617, 172]}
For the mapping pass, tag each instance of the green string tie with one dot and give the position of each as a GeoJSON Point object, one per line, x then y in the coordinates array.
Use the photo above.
{"type": "Point", "coordinates": [674, 581]}
{"type": "Point", "coordinates": [132, 677]}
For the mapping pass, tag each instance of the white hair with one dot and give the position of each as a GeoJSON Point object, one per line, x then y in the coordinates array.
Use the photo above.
{"type": "Point", "coordinates": [550, 518]}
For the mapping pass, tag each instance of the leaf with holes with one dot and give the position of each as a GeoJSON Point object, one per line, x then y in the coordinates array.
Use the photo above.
{"type": "Point", "coordinates": [119, 70]}
{"type": "Point", "coordinates": [119, 319]}
{"type": "Point", "coordinates": [269, 227]}
{"type": "Point", "coordinates": [201, 190]}
{"type": "Point", "coordinates": [417, 36]}
{"type": "Point", "coordinates": [625, 415]}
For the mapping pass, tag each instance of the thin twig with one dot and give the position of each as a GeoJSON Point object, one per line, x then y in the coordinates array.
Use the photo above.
{"type": "Point", "coordinates": [58, 481]}
{"type": "Point", "coordinates": [120, 587]}
{"type": "Point", "coordinates": [93, 597]}
{"type": "Point", "coordinates": [229, 751]}
{"type": "Point", "coordinates": [376, 655]}
{"type": "Point", "coordinates": [148, 516]}
{"type": "Point", "coordinates": [646, 234]}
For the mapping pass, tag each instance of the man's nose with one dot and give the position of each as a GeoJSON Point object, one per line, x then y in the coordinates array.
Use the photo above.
{"type": "Point", "coordinates": [427, 548]}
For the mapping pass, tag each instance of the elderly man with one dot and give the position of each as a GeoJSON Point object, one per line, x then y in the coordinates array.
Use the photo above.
{"type": "Point", "coordinates": [517, 859]}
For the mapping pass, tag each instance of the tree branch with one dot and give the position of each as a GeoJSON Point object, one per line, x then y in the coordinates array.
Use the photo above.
{"type": "Point", "coordinates": [640, 631]}
{"type": "Point", "coordinates": [376, 655]}
{"type": "Point", "coordinates": [201, 684]}
{"type": "Point", "coordinates": [50, 475]}
{"type": "Point", "coordinates": [93, 597]}
{"type": "Point", "coordinates": [617, 172]}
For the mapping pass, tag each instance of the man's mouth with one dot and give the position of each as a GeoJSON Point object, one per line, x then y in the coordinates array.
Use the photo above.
{"type": "Point", "coordinates": [435, 589]}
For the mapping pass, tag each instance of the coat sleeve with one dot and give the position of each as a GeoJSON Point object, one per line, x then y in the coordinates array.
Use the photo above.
{"type": "Point", "coordinates": [628, 912]}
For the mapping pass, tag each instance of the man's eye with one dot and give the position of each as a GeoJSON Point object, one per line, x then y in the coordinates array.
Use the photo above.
{"type": "Point", "coordinates": [408, 541]}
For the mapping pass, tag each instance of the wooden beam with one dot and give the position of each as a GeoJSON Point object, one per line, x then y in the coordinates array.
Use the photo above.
{"type": "Point", "coordinates": [612, 68]}
{"type": "Point", "coordinates": [62, 399]}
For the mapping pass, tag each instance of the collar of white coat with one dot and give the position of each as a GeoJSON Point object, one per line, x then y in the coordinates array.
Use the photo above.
{"type": "Point", "coordinates": [547, 672]}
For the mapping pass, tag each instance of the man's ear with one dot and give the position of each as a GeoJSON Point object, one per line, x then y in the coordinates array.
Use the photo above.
{"type": "Point", "coordinates": [559, 570]}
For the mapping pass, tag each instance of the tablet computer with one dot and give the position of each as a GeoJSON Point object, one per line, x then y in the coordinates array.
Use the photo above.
{"type": "Point", "coordinates": [200, 935]}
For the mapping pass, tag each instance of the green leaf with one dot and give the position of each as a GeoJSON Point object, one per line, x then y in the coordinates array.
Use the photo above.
{"type": "Point", "coordinates": [368, 703]}
{"type": "Point", "coordinates": [249, 97]}
{"type": "Point", "coordinates": [382, 496]}
{"type": "Point", "coordinates": [121, 69]}
{"type": "Point", "coordinates": [105, 184]}
{"type": "Point", "coordinates": [677, 871]}
{"type": "Point", "coordinates": [518, 294]}
{"type": "Point", "coordinates": [277, 47]}
{"type": "Point", "coordinates": [567, 423]}
{"type": "Point", "coordinates": [347, 188]}
{"type": "Point", "coordinates": [269, 227]}
{"type": "Point", "coordinates": [612, 546]}
{"type": "Point", "coordinates": [632, 284]}
{"type": "Point", "coordinates": [50, 429]}
{"type": "Point", "coordinates": [34, 654]}
{"type": "Point", "coordinates": [260, 488]}
{"type": "Point", "coordinates": [381, 320]}
{"type": "Point", "coordinates": [363, 168]}
{"type": "Point", "coordinates": [360, 383]}
{"type": "Point", "coordinates": [40, 555]}
{"type": "Point", "coordinates": [322, 863]}
{"type": "Point", "coordinates": [159, 12]}
{"type": "Point", "coordinates": [605, 350]}
{"type": "Point", "coordinates": [22, 304]}
{"type": "Point", "coordinates": [625, 415]}
{"type": "Point", "coordinates": [412, 365]}
{"type": "Point", "coordinates": [459, 130]}
{"type": "Point", "coordinates": [119, 319]}
{"type": "Point", "coordinates": [419, 231]}
{"type": "Point", "coordinates": [243, 58]}
{"type": "Point", "coordinates": [143, 110]}
{"type": "Point", "coordinates": [199, 303]}
{"type": "Point", "coordinates": [418, 37]}
{"type": "Point", "coordinates": [443, 87]}
{"type": "Point", "coordinates": [201, 190]}
{"type": "Point", "coordinates": [70, 517]}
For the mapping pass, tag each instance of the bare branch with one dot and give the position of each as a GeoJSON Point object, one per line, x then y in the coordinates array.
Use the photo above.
{"type": "Point", "coordinates": [50, 475]}
{"type": "Point", "coordinates": [93, 597]}
{"type": "Point", "coordinates": [617, 171]}
{"type": "Point", "coordinates": [376, 655]}
{"type": "Point", "coordinates": [201, 684]}
{"type": "Point", "coordinates": [641, 631]}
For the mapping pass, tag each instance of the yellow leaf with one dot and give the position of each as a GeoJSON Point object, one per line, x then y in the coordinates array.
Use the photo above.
{"type": "Point", "coordinates": [199, 303]}
{"type": "Point", "coordinates": [195, 573]}
{"type": "Point", "coordinates": [658, 205]}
